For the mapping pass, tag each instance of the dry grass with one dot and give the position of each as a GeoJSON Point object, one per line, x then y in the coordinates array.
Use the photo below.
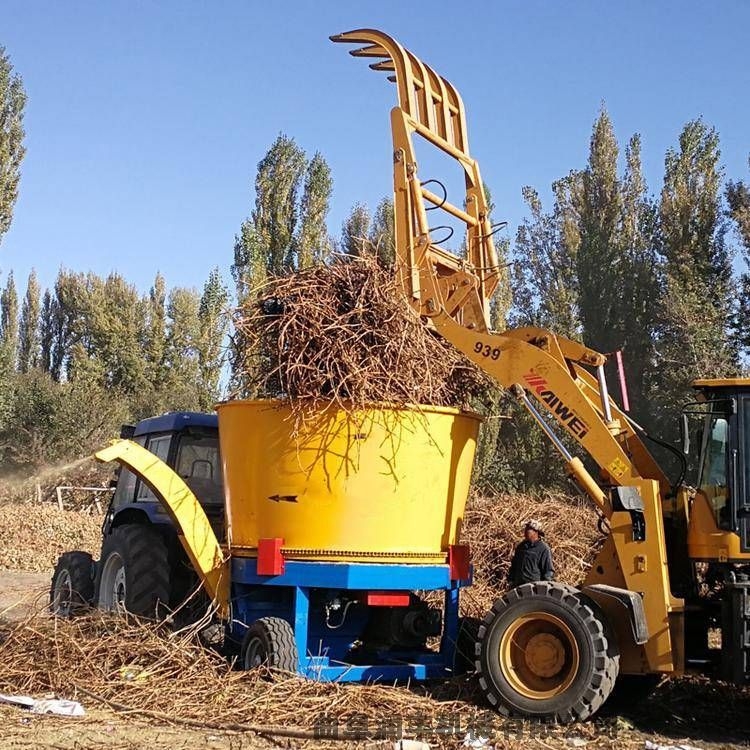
{"type": "Point", "coordinates": [344, 333]}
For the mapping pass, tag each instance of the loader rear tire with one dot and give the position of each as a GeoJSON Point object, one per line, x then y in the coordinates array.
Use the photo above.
{"type": "Point", "coordinates": [544, 653]}
{"type": "Point", "coordinates": [133, 574]}
{"type": "Point", "coordinates": [269, 642]}
{"type": "Point", "coordinates": [72, 589]}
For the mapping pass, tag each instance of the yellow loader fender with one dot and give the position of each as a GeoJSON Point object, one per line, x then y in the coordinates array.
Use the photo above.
{"type": "Point", "coordinates": [193, 528]}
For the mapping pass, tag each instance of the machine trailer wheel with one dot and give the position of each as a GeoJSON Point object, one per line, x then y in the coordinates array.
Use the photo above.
{"type": "Point", "coordinates": [72, 589]}
{"type": "Point", "coordinates": [270, 642]}
{"type": "Point", "coordinates": [134, 572]}
{"type": "Point", "coordinates": [544, 653]}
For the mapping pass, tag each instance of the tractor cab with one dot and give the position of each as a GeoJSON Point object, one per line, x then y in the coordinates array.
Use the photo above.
{"type": "Point", "coordinates": [188, 442]}
{"type": "Point", "coordinates": [719, 527]}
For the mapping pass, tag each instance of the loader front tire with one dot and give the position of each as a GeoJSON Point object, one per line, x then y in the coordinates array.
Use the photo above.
{"type": "Point", "coordinates": [72, 589]}
{"type": "Point", "coordinates": [133, 574]}
{"type": "Point", "coordinates": [544, 653]}
{"type": "Point", "coordinates": [269, 642]}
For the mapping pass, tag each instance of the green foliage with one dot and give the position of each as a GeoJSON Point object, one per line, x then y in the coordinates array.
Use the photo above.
{"type": "Point", "coordinates": [154, 333]}
{"type": "Point", "coordinates": [738, 202]}
{"type": "Point", "coordinates": [28, 327]}
{"type": "Point", "coordinates": [8, 325]}
{"type": "Point", "coordinates": [383, 232]}
{"type": "Point", "coordinates": [355, 231]}
{"type": "Point", "coordinates": [313, 245]}
{"type": "Point", "coordinates": [545, 284]}
{"type": "Point", "coordinates": [366, 234]}
{"type": "Point", "coordinates": [49, 422]}
{"type": "Point", "coordinates": [94, 353]}
{"type": "Point", "coordinates": [12, 103]}
{"type": "Point", "coordinates": [286, 229]}
{"type": "Point", "coordinates": [693, 338]}
{"type": "Point", "coordinates": [213, 322]}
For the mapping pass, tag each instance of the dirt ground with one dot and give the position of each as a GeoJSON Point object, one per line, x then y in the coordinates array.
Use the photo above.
{"type": "Point", "coordinates": [696, 714]}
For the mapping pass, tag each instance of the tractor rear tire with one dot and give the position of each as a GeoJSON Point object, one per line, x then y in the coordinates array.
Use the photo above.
{"type": "Point", "coordinates": [133, 573]}
{"type": "Point", "coordinates": [269, 642]}
{"type": "Point", "coordinates": [544, 653]}
{"type": "Point", "coordinates": [72, 589]}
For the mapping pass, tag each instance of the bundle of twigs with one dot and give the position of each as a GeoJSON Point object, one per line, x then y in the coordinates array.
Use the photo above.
{"type": "Point", "coordinates": [493, 526]}
{"type": "Point", "coordinates": [344, 333]}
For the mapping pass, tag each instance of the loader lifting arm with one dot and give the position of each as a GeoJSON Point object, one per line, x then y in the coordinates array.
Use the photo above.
{"type": "Point", "coordinates": [550, 375]}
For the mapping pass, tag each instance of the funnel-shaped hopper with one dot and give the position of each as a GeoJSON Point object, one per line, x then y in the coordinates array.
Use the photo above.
{"type": "Point", "coordinates": [381, 484]}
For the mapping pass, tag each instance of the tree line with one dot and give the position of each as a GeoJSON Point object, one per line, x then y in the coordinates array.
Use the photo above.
{"type": "Point", "coordinates": [91, 352]}
{"type": "Point", "coordinates": [660, 273]}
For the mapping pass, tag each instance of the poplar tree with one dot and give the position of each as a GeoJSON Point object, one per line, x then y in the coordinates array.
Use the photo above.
{"type": "Point", "coordinates": [738, 201]}
{"type": "Point", "coordinates": [599, 267]}
{"type": "Point", "coordinates": [266, 242]}
{"type": "Point", "coordinates": [383, 232]}
{"type": "Point", "coordinates": [696, 307]}
{"type": "Point", "coordinates": [182, 345]}
{"type": "Point", "coordinates": [213, 323]}
{"type": "Point", "coordinates": [28, 347]}
{"type": "Point", "coordinates": [12, 103]}
{"type": "Point", "coordinates": [544, 277]}
{"type": "Point", "coordinates": [355, 231]}
{"type": "Point", "coordinates": [313, 245]}
{"type": "Point", "coordinates": [286, 229]}
{"type": "Point", "coordinates": [8, 325]}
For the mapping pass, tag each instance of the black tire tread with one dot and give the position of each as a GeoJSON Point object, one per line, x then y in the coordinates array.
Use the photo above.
{"type": "Point", "coordinates": [147, 568]}
{"type": "Point", "coordinates": [282, 654]}
{"type": "Point", "coordinates": [79, 566]}
{"type": "Point", "coordinates": [606, 660]}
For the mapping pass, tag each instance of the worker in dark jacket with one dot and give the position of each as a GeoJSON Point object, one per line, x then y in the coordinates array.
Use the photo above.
{"type": "Point", "coordinates": [532, 560]}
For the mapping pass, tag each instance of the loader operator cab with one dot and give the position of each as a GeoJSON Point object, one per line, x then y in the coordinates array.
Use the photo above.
{"type": "Point", "coordinates": [187, 442]}
{"type": "Point", "coordinates": [719, 528]}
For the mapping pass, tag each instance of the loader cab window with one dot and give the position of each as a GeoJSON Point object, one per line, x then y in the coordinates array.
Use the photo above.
{"type": "Point", "coordinates": [714, 467]}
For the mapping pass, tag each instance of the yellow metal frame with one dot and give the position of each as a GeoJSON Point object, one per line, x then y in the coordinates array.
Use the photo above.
{"type": "Point", "coordinates": [454, 294]}
{"type": "Point", "coordinates": [193, 527]}
{"type": "Point", "coordinates": [430, 107]}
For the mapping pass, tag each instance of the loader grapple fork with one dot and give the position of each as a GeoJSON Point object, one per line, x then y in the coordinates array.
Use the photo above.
{"type": "Point", "coordinates": [430, 107]}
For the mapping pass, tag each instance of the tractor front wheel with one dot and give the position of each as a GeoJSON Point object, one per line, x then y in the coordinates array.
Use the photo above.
{"type": "Point", "coordinates": [269, 642]}
{"type": "Point", "coordinates": [545, 654]}
{"type": "Point", "coordinates": [72, 589]}
{"type": "Point", "coordinates": [133, 574]}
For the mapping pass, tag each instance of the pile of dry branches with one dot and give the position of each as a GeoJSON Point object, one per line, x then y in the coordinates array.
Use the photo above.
{"type": "Point", "coordinates": [493, 526]}
{"type": "Point", "coordinates": [166, 677]}
{"type": "Point", "coordinates": [34, 535]}
{"type": "Point", "coordinates": [344, 333]}
{"type": "Point", "coordinates": [170, 677]}
{"type": "Point", "coordinates": [147, 674]}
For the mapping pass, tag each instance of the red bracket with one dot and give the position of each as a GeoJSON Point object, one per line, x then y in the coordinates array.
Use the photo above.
{"type": "Point", "coordinates": [270, 557]}
{"type": "Point", "coordinates": [459, 561]}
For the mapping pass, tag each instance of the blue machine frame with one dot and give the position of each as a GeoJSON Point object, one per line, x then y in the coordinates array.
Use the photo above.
{"type": "Point", "coordinates": [301, 594]}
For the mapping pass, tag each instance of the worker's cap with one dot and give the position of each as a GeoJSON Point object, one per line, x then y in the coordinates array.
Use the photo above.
{"type": "Point", "coordinates": [534, 525]}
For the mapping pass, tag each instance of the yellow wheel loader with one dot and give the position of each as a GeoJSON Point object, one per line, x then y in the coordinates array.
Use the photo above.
{"type": "Point", "coordinates": [673, 565]}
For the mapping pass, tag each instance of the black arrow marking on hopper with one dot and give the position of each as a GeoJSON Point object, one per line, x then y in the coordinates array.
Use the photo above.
{"type": "Point", "coordinates": [283, 498]}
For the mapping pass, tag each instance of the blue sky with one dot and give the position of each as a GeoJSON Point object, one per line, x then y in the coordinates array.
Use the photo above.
{"type": "Point", "coordinates": [146, 120]}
